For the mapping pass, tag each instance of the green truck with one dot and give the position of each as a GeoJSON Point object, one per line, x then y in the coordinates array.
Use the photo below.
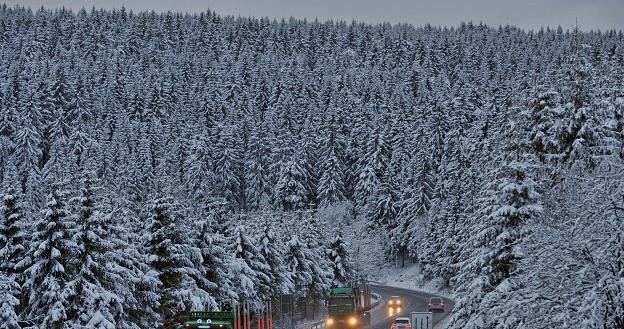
{"type": "Point", "coordinates": [348, 308]}
{"type": "Point", "coordinates": [212, 320]}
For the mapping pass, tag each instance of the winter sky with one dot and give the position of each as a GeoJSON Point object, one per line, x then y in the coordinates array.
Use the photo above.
{"type": "Point", "coordinates": [528, 14]}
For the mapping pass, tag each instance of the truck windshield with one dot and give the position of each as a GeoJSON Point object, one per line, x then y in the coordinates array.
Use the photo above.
{"type": "Point", "coordinates": [340, 301]}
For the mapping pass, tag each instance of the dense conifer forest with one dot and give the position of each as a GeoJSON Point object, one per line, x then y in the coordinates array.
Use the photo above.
{"type": "Point", "coordinates": [154, 163]}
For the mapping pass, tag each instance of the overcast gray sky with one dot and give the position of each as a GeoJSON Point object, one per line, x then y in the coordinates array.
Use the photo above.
{"type": "Point", "coordinates": [528, 14]}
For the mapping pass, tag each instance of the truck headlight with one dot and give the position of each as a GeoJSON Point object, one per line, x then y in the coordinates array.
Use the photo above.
{"type": "Point", "coordinates": [352, 321]}
{"type": "Point", "coordinates": [330, 321]}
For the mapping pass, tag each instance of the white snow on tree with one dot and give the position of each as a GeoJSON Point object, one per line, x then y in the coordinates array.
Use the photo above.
{"type": "Point", "coordinates": [170, 256]}
{"type": "Point", "coordinates": [205, 134]}
{"type": "Point", "coordinates": [8, 302]}
{"type": "Point", "coordinates": [341, 263]}
{"type": "Point", "coordinates": [52, 252]}
{"type": "Point", "coordinates": [251, 275]}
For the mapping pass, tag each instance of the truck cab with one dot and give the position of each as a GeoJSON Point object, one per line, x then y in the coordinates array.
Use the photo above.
{"type": "Point", "coordinates": [342, 309]}
{"type": "Point", "coordinates": [347, 308]}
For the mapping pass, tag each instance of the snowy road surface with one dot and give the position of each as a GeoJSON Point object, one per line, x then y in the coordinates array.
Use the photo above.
{"type": "Point", "coordinates": [413, 301]}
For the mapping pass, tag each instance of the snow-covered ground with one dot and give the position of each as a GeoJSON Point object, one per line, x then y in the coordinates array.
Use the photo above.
{"type": "Point", "coordinates": [367, 251]}
{"type": "Point", "coordinates": [409, 277]}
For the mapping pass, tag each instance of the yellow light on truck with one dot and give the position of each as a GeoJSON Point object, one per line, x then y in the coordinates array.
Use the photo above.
{"type": "Point", "coordinates": [352, 321]}
{"type": "Point", "coordinates": [330, 321]}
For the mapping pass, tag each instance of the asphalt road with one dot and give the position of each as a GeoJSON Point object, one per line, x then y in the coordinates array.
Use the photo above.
{"type": "Point", "coordinates": [413, 301]}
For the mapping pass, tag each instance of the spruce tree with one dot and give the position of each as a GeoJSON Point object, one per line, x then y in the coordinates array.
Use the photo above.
{"type": "Point", "coordinates": [169, 255]}
{"type": "Point", "coordinates": [13, 229]}
{"type": "Point", "coordinates": [8, 302]}
{"type": "Point", "coordinates": [298, 264]}
{"type": "Point", "coordinates": [251, 274]}
{"type": "Point", "coordinates": [290, 189]}
{"type": "Point", "coordinates": [51, 252]}
{"type": "Point", "coordinates": [258, 188]}
{"type": "Point", "coordinates": [93, 303]}
{"type": "Point", "coordinates": [331, 189]}
{"type": "Point", "coordinates": [341, 263]}
{"type": "Point", "coordinates": [273, 252]}
{"type": "Point", "coordinates": [215, 256]}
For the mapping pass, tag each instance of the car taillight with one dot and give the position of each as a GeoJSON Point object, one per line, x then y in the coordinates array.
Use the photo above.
{"type": "Point", "coordinates": [408, 326]}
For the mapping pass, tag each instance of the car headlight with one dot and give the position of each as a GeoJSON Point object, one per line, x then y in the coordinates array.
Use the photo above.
{"type": "Point", "coordinates": [330, 321]}
{"type": "Point", "coordinates": [352, 321]}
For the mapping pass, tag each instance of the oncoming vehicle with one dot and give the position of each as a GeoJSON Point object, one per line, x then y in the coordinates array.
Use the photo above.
{"type": "Point", "coordinates": [436, 304]}
{"type": "Point", "coordinates": [394, 301]}
{"type": "Point", "coordinates": [401, 323]}
{"type": "Point", "coordinates": [394, 304]}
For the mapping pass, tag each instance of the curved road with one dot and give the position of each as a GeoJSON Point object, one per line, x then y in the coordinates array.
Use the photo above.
{"type": "Point", "coordinates": [413, 301]}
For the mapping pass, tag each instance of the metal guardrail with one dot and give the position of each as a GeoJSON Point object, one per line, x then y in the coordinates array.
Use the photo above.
{"type": "Point", "coordinates": [314, 325]}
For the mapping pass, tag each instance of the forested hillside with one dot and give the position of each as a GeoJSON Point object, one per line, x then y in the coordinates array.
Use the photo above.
{"type": "Point", "coordinates": [155, 163]}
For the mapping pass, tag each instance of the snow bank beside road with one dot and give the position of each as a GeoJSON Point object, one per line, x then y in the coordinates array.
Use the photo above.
{"type": "Point", "coordinates": [410, 277]}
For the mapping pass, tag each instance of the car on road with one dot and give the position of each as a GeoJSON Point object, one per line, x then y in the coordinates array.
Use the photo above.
{"type": "Point", "coordinates": [436, 304]}
{"type": "Point", "coordinates": [401, 323]}
{"type": "Point", "coordinates": [394, 304]}
{"type": "Point", "coordinates": [394, 301]}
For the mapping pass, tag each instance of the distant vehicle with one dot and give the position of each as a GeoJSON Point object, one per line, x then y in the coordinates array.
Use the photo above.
{"type": "Point", "coordinates": [394, 301]}
{"type": "Point", "coordinates": [401, 323]}
{"type": "Point", "coordinates": [436, 304]}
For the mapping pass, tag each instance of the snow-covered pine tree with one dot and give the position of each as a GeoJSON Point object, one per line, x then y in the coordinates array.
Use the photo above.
{"type": "Point", "coordinates": [214, 266]}
{"type": "Point", "coordinates": [414, 208]}
{"type": "Point", "coordinates": [9, 289]}
{"type": "Point", "coordinates": [372, 168]}
{"type": "Point", "coordinates": [168, 254]}
{"type": "Point", "coordinates": [320, 265]}
{"type": "Point", "coordinates": [496, 246]}
{"type": "Point", "coordinates": [273, 252]}
{"type": "Point", "coordinates": [575, 130]}
{"type": "Point", "coordinates": [200, 175]}
{"type": "Point", "coordinates": [27, 140]}
{"type": "Point", "coordinates": [250, 273]}
{"type": "Point", "coordinates": [229, 166]}
{"type": "Point", "coordinates": [258, 186]}
{"type": "Point", "coordinates": [93, 301]}
{"type": "Point", "coordinates": [290, 189]}
{"type": "Point", "coordinates": [381, 209]}
{"type": "Point", "coordinates": [13, 226]}
{"type": "Point", "coordinates": [298, 264]}
{"type": "Point", "coordinates": [331, 189]}
{"type": "Point", "coordinates": [341, 264]}
{"type": "Point", "coordinates": [51, 253]}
